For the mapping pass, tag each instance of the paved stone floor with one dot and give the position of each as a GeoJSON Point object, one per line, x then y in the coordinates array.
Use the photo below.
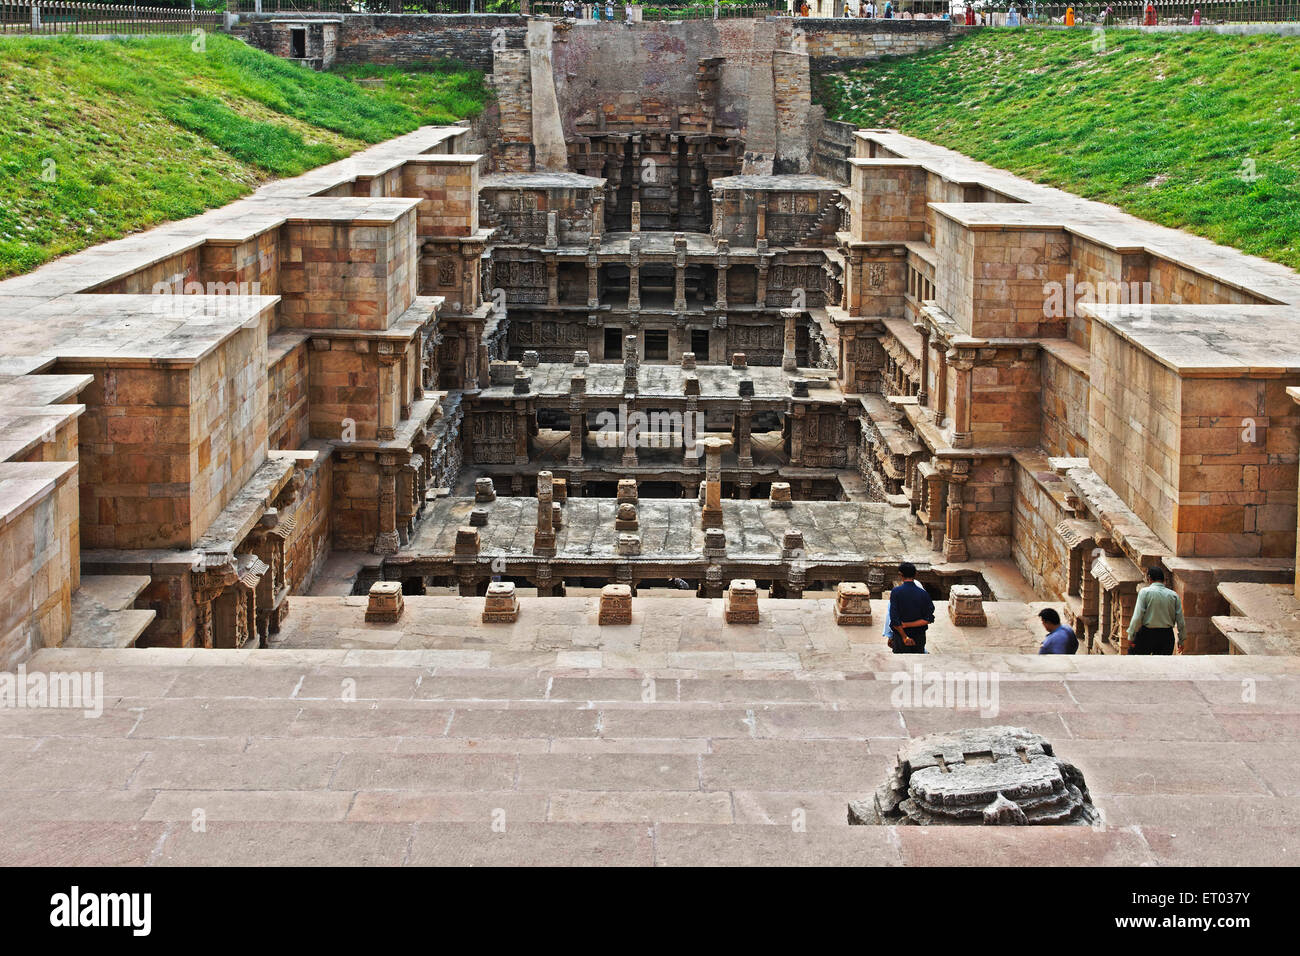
{"type": "Point", "coordinates": [463, 755]}
{"type": "Point", "coordinates": [834, 531]}
{"type": "Point", "coordinates": [665, 631]}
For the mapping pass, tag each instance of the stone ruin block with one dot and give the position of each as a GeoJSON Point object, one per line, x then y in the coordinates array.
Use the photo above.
{"type": "Point", "coordinates": [852, 604]}
{"type": "Point", "coordinates": [966, 606]}
{"type": "Point", "coordinates": [557, 515]}
{"type": "Point", "coordinates": [792, 544]}
{"type": "Point", "coordinates": [615, 604]}
{"type": "Point", "coordinates": [502, 373]}
{"type": "Point", "coordinates": [531, 359]}
{"type": "Point", "coordinates": [779, 496]}
{"type": "Point", "coordinates": [692, 385]}
{"type": "Point", "coordinates": [386, 604]}
{"type": "Point", "coordinates": [625, 518]}
{"type": "Point", "coordinates": [715, 543]}
{"type": "Point", "coordinates": [467, 542]}
{"type": "Point", "coordinates": [560, 490]}
{"type": "Point", "coordinates": [701, 494]}
{"type": "Point", "coordinates": [688, 360]}
{"type": "Point", "coordinates": [740, 606]}
{"type": "Point", "coordinates": [738, 360]}
{"type": "Point", "coordinates": [523, 384]}
{"type": "Point", "coordinates": [629, 545]}
{"type": "Point", "coordinates": [995, 776]}
{"type": "Point", "coordinates": [746, 388]}
{"type": "Point", "coordinates": [627, 489]}
{"type": "Point", "coordinates": [582, 358]}
{"type": "Point", "coordinates": [484, 491]}
{"type": "Point", "coordinates": [501, 606]}
{"type": "Point", "coordinates": [478, 518]}
{"type": "Point", "coordinates": [799, 387]}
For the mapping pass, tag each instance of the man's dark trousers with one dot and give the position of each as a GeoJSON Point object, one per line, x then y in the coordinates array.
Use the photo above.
{"type": "Point", "coordinates": [1153, 640]}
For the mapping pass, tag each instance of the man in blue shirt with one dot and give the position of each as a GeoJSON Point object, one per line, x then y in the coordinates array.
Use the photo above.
{"type": "Point", "coordinates": [1060, 638]}
{"type": "Point", "coordinates": [911, 612]}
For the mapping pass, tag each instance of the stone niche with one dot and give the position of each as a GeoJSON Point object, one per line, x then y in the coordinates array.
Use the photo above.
{"type": "Point", "coordinates": [987, 776]}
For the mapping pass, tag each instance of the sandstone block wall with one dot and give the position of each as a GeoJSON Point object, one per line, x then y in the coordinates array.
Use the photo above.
{"type": "Point", "coordinates": [1238, 468]}
{"type": "Point", "coordinates": [1064, 402]}
{"type": "Point", "coordinates": [337, 274]}
{"type": "Point", "coordinates": [839, 43]}
{"type": "Point", "coordinates": [447, 187]}
{"type": "Point", "coordinates": [1133, 422]}
{"type": "Point", "coordinates": [39, 559]}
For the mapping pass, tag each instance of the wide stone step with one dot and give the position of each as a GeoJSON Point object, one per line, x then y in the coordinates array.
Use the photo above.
{"type": "Point", "coordinates": [102, 612]}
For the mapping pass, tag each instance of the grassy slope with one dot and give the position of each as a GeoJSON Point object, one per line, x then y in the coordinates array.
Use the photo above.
{"type": "Point", "coordinates": [1157, 124]}
{"type": "Point", "coordinates": [146, 130]}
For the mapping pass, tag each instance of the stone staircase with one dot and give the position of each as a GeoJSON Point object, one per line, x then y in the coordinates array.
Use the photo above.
{"type": "Point", "coordinates": [461, 754]}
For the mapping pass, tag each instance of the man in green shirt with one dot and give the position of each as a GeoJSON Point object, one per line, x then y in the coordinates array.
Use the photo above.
{"type": "Point", "coordinates": [1157, 611]}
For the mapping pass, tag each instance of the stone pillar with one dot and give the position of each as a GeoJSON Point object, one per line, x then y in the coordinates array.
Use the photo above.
{"type": "Point", "coordinates": [788, 361]}
{"type": "Point", "coordinates": [544, 538]}
{"type": "Point", "coordinates": [923, 392]}
{"type": "Point", "coordinates": [387, 541]}
{"type": "Point", "coordinates": [954, 545]}
{"type": "Point", "coordinates": [679, 272]}
{"type": "Point", "coordinates": [744, 423]}
{"type": "Point", "coordinates": [692, 420]}
{"type": "Point", "coordinates": [390, 384]}
{"type": "Point", "coordinates": [631, 362]}
{"type": "Point", "coordinates": [760, 213]}
{"type": "Point", "coordinates": [634, 273]}
{"type": "Point", "coordinates": [521, 433]}
{"type": "Point", "coordinates": [941, 385]}
{"type": "Point", "coordinates": [630, 434]}
{"type": "Point", "coordinates": [721, 303]}
{"type": "Point", "coordinates": [711, 516]}
{"type": "Point", "coordinates": [636, 216]}
{"type": "Point", "coordinates": [593, 272]}
{"type": "Point", "coordinates": [552, 281]}
{"type": "Point", "coordinates": [962, 362]}
{"type": "Point", "coordinates": [760, 299]}
{"type": "Point", "coordinates": [577, 419]}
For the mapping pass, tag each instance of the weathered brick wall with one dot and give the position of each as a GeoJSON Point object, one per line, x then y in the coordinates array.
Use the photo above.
{"type": "Point", "coordinates": [1038, 551]}
{"type": "Point", "coordinates": [337, 274]}
{"type": "Point", "coordinates": [832, 150]}
{"type": "Point", "coordinates": [288, 419]}
{"type": "Point", "coordinates": [987, 502]}
{"type": "Point", "coordinates": [228, 404]}
{"type": "Point", "coordinates": [1005, 405]}
{"type": "Point", "coordinates": [447, 187]}
{"type": "Point", "coordinates": [405, 38]}
{"type": "Point", "coordinates": [839, 43]}
{"type": "Point", "coordinates": [1064, 396]}
{"type": "Point", "coordinates": [1172, 282]}
{"type": "Point", "coordinates": [308, 546]}
{"type": "Point", "coordinates": [992, 281]}
{"type": "Point", "coordinates": [1133, 422]}
{"type": "Point", "coordinates": [888, 203]}
{"type": "Point", "coordinates": [38, 560]}
{"type": "Point", "coordinates": [1238, 468]}
{"type": "Point", "coordinates": [344, 386]}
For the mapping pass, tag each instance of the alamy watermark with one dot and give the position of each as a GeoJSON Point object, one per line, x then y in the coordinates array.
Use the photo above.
{"type": "Point", "coordinates": [630, 428]}
{"type": "Point", "coordinates": [961, 690]}
{"type": "Point", "coordinates": [53, 690]}
{"type": "Point", "coordinates": [1062, 299]}
{"type": "Point", "coordinates": [220, 299]}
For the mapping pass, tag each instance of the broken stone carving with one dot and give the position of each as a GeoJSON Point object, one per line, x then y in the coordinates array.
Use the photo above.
{"type": "Point", "coordinates": [996, 776]}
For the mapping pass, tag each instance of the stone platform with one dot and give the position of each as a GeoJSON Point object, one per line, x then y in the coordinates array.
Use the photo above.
{"type": "Point", "coordinates": [390, 758]}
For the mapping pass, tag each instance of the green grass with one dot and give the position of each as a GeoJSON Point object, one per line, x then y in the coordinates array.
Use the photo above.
{"type": "Point", "coordinates": [1160, 125]}
{"type": "Point", "coordinates": [106, 137]}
